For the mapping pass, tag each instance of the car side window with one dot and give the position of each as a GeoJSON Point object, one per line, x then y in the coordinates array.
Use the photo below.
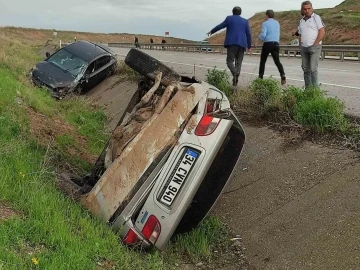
{"type": "Point", "coordinates": [90, 69]}
{"type": "Point", "coordinates": [102, 61]}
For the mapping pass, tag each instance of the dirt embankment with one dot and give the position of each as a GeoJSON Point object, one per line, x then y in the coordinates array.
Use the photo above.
{"type": "Point", "coordinates": [41, 36]}
{"type": "Point", "coordinates": [342, 24]}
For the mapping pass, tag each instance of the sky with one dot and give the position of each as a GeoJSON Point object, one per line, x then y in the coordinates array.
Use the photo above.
{"type": "Point", "coordinates": [188, 19]}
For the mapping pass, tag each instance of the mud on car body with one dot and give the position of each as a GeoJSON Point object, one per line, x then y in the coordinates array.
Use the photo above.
{"type": "Point", "coordinates": [74, 68]}
{"type": "Point", "coordinates": [167, 161]}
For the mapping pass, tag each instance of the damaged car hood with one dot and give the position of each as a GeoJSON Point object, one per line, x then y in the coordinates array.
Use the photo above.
{"type": "Point", "coordinates": [50, 75]}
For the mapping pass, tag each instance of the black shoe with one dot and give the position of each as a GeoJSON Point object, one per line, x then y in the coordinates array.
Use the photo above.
{"type": "Point", "coordinates": [283, 80]}
{"type": "Point", "coordinates": [236, 79]}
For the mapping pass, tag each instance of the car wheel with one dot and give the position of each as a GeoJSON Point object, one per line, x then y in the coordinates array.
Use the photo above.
{"type": "Point", "coordinates": [113, 70]}
{"type": "Point", "coordinates": [150, 67]}
{"type": "Point", "coordinates": [78, 90]}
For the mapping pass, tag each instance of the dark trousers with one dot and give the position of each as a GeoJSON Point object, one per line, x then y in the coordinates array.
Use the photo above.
{"type": "Point", "coordinates": [235, 53]}
{"type": "Point", "coordinates": [273, 49]}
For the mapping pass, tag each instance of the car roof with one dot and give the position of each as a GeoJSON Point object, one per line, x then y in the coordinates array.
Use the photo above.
{"type": "Point", "coordinates": [85, 50]}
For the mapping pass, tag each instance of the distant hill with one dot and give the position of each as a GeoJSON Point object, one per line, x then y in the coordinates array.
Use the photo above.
{"type": "Point", "coordinates": [342, 24]}
{"type": "Point", "coordinates": [41, 36]}
{"type": "Point", "coordinates": [348, 3]}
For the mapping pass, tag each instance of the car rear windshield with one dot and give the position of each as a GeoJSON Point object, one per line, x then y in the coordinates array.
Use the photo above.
{"type": "Point", "coordinates": [67, 62]}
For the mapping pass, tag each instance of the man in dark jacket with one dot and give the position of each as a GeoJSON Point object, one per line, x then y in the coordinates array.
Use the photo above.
{"type": "Point", "coordinates": [237, 40]}
{"type": "Point", "coordinates": [137, 45]}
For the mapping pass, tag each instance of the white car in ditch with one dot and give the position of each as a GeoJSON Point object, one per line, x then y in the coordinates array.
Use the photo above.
{"type": "Point", "coordinates": [167, 161]}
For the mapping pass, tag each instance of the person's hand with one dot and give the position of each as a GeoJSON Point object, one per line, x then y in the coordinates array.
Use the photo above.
{"type": "Point", "coordinates": [208, 33]}
{"type": "Point", "coordinates": [249, 50]}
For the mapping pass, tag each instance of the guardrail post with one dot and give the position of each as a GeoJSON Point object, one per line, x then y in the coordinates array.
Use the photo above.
{"type": "Point", "coordinates": [322, 55]}
{"type": "Point", "coordinates": [342, 55]}
{"type": "Point", "coordinates": [358, 56]}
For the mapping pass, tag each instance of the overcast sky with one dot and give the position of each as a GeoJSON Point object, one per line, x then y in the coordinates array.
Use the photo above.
{"type": "Point", "coordinates": [188, 19]}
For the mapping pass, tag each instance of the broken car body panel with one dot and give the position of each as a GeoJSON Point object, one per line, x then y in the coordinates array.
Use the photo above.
{"type": "Point", "coordinates": [158, 133]}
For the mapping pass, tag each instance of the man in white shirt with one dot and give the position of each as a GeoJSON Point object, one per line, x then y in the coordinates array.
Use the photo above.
{"type": "Point", "coordinates": [311, 33]}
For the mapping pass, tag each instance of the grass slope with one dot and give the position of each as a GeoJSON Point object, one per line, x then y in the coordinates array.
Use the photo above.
{"type": "Point", "coordinates": [40, 137]}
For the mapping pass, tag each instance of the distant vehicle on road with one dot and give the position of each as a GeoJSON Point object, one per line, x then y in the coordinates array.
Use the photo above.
{"type": "Point", "coordinates": [74, 68]}
{"type": "Point", "coordinates": [204, 48]}
{"type": "Point", "coordinates": [294, 42]}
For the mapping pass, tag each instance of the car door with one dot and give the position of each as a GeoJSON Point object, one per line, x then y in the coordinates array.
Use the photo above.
{"type": "Point", "coordinates": [90, 77]}
{"type": "Point", "coordinates": [102, 67]}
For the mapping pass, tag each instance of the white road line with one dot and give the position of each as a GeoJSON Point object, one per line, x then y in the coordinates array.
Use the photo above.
{"type": "Point", "coordinates": [249, 73]}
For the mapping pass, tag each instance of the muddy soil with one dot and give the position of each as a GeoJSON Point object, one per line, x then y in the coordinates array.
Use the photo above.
{"type": "Point", "coordinates": [296, 208]}
{"type": "Point", "coordinates": [113, 95]}
{"type": "Point", "coordinates": [6, 211]}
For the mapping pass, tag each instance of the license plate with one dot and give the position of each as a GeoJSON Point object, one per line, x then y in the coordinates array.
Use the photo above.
{"type": "Point", "coordinates": [178, 176]}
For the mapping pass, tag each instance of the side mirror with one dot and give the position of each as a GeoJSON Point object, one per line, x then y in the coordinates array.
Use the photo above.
{"type": "Point", "coordinates": [47, 54]}
{"type": "Point", "coordinates": [86, 77]}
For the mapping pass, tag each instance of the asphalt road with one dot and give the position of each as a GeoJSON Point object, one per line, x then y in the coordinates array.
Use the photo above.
{"type": "Point", "coordinates": [339, 79]}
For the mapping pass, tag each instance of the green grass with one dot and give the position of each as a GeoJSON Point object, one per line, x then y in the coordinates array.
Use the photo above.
{"type": "Point", "coordinates": [198, 245]}
{"type": "Point", "coordinates": [49, 227]}
{"type": "Point", "coordinates": [219, 79]}
{"type": "Point", "coordinates": [125, 71]}
{"type": "Point", "coordinates": [50, 231]}
{"type": "Point", "coordinates": [87, 121]}
{"type": "Point", "coordinates": [308, 107]}
{"type": "Point", "coordinates": [52, 228]}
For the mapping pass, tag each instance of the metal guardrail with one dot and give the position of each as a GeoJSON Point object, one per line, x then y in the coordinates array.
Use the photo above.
{"type": "Point", "coordinates": [340, 51]}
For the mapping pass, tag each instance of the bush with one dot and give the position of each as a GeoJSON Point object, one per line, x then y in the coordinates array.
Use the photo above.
{"type": "Point", "coordinates": [293, 95]}
{"type": "Point", "coordinates": [265, 90]}
{"type": "Point", "coordinates": [265, 96]}
{"type": "Point", "coordinates": [321, 114]}
{"type": "Point", "coordinates": [308, 107]}
{"type": "Point", "coordinates": [219, 79]}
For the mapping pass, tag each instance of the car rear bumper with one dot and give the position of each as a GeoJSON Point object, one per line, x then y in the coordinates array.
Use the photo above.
{"type": "Point", "coordinates": [170, 214]}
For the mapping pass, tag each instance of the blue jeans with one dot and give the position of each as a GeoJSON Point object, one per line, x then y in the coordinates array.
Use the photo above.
{"type": "Point", "coordinates": [310, 60]}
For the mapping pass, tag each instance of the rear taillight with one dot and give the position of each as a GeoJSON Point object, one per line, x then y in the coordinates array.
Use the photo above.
{"type": "Point", "coordinates": [131, 237]}
{"type": "Point", "coordinates": [152, 229]}
{"type": "Point", "coordinates": [207, 125]}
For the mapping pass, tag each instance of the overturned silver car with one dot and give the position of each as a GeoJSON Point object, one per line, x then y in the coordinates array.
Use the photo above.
{"type": "Point", "coordinates": [167, 161]}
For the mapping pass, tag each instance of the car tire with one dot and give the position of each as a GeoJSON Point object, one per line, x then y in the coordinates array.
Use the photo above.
{"type": "Point", "coordinates": [113, 70]}
{"type": "Point", "coordinates": [150, 67]}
